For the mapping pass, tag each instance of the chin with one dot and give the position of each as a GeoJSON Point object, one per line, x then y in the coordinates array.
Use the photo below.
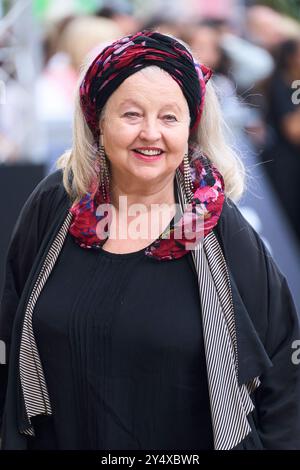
{"type": "Point", "coordinates": [150, 175]}
{"type": "Point", "coordinates": [148, 171]}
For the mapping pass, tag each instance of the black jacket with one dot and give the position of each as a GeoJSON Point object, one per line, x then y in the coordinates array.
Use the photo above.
{"type": "Point", "coordinates": [267, 325]}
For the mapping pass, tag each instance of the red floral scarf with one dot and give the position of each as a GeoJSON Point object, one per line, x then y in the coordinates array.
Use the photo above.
{"type": "Point", "coordinates": [199, 217]}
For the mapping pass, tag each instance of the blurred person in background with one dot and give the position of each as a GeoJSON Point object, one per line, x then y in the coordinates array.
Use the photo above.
{"type": "Point", "coordinates": [18, 123]}
{"type": "Point", "coordinates": [74, 39]}
{"type": "Point", "coordinates": [163, 23]}
{"type": "Point", "coordinates": [206, 40]}
{"type": "Point", "coordinates": [269, 28]}
{"type": "Point", "coordinates": [10, 147]}
{"type": "Point", "coordinates": [53, 30]}
{"type": "Point", "coordinates": [282, 149]}
{"type": "Point", "coordinates": [152, 340]}
{"type": "Point", "coordinates": [124, 18]}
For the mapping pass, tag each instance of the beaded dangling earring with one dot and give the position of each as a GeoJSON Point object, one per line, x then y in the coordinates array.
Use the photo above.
{"type": "Point", "coordinates": [188, 184]}
{"type": "Point", "coordinates": [104, 172]}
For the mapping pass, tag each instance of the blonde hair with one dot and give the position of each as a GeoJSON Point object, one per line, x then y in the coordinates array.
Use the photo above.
{"type": "Point", "coordinates": [85, 33]}
{"type": "Point", "coordinates": [212, 141]}
{"type": "Point", "coordinates": [79, 161]}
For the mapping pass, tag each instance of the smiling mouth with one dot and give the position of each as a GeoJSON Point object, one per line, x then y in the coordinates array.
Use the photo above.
{"type": "Point", "coordinates": [149, 153]}
{"type": "Point", "coordinates": [149, 156]}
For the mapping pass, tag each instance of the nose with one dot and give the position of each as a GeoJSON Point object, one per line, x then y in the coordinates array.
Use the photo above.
{"type": "Point", "coordinates": [150, 130]}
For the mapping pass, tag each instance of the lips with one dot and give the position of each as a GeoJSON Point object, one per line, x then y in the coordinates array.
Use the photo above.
{"type": "Point", "coordinates": [148, 154]}
{"type": "Point", "coordinates": [148, 151]}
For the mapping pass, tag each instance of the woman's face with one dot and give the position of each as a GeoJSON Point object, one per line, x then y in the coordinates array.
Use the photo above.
{"type": "Point", "coordinates": [145, 128]}
{"type": "Point", "coordinates": [205, 43]}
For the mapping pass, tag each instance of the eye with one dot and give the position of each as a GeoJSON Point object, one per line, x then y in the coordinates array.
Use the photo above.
{"type": "Point", "coordinates": [131, 114]}
{"type": "Point", "coordinates": [170, 117]}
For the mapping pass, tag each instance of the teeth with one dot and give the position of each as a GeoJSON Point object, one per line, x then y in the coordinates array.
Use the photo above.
{"type": "Point", "coordinates": [150, 152]}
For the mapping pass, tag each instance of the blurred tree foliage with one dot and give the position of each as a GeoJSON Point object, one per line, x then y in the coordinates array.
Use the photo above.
{"type": "Point", "coordinates": [6, 5]}
{"type": "Point", "coordinates": [287, 7]}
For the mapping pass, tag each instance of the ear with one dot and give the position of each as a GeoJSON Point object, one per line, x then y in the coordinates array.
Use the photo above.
{"type": "Point", "coordinates": [101, 125]}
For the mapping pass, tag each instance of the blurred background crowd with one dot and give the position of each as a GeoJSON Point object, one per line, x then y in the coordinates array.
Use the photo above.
{"type": "Point", "coordinates": [252, 46]}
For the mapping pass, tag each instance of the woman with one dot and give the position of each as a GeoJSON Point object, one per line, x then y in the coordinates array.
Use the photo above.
{"type": "Point", "coordinates": [160, 338]}
{"type": "Point", "coordinates": [282, 149]}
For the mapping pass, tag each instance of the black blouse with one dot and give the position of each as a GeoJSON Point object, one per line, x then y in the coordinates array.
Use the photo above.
{"type": "Point", "coordinates": [120, 340]}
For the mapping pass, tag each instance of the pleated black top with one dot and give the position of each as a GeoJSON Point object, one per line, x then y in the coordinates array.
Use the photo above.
{"type": "Point", "coordinates": [120, 340]}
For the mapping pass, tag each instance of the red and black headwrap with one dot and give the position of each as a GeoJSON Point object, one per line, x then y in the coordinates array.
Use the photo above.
{"type": "Point", "coordinates": [130, 54]}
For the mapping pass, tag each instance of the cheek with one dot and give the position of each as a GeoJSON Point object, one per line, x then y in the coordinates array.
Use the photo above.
{"type": "Point", "coordinates": [178, 140]}
{"type": "Point", "coordinates": [123, 135]}
{"type": "Point", "coordinates": [118, 137]}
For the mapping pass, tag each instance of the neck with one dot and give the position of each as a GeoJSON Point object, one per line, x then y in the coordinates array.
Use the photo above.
{"type": "Point", "coordinates": [160, 193]}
